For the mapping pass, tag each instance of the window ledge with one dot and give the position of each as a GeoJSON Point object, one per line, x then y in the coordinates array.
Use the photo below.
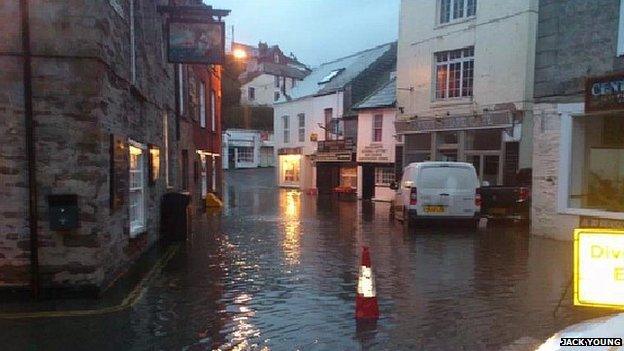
{"type": "Point", "coordinates": [592, 213]}
{"type": "Point", "coordinates": [452, 102]}
{"type": "Point", "coordinates": [454, 22]}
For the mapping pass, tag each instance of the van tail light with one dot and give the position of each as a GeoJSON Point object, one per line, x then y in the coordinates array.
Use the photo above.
{"type": "Point", "coordinates": [413, 196]}
{"type": "Point", "coordinates": [523, 194]}
{"type": "Point", "coordinates": [478, 198]}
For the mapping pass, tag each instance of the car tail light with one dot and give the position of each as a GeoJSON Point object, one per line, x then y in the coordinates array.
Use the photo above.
{"type": "Point", "coordinates": [478, 198]}
{"type": "Point", "coordinates": [413, 196]}
{"type": "Point", "coordinates": [523, 194]}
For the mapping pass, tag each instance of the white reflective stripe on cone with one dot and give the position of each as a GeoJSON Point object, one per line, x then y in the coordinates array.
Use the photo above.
{"type": "Point", "coordinates": [366, 283]}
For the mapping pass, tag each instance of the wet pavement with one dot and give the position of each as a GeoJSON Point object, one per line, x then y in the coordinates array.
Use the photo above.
{"type": "Point", "coordinates": [278, 271]}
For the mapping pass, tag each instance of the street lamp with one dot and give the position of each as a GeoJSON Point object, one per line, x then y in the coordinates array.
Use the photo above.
{"type": "Point", "coordinates": [239, 54]}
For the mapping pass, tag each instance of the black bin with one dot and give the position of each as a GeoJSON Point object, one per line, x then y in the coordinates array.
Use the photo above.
{"type": "Point", "coordinates": [174, 216]}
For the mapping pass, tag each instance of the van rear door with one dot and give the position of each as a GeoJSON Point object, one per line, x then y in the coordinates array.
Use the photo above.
{"type": "Point", "coordinates": [447, 190]}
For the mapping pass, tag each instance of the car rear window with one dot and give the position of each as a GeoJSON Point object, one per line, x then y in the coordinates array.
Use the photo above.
{"type": "Point", "coordinates": [446, 178]}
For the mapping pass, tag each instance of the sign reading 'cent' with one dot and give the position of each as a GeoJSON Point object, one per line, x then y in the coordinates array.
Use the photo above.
{"type": "Point", "coordinates": [599, 267]}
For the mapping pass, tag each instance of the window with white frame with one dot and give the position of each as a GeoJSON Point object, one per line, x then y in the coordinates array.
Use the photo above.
{"type": "Point", "coordinates": [301, 118]}
{"type": "Point", "coordinates": [384, 176]}
{"type": "Point", "coordinates": [453, 10]}
{"type": "Point", "coordinates": [454, 73]}
{"type": "Point", "coordinates": [377, 128]}
{"type": "Point", "coordinates": [286, 127]}
{"type": "Point", "coordinates": [202, 104]}
{"type": "Point", "coordinates": [213, 106]}
{"type": "Point", "coordinates": [137, 188]}
{"type": "Point", "coordinates": [251, 93]}
{"type": "Point", "coordinates": [245, 154]}
{"type": "Point", "coordinates": [204, 175]}
{"type": "Point", "coordinates": [181, 88]}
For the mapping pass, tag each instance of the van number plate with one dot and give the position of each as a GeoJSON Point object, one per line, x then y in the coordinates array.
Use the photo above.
{"type": "Point", "coordinates": [434, 209]}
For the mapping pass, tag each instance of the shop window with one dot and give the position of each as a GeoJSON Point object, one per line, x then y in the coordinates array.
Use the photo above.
{"type": "Point", "coordinates": [137, 188]}
{"type": "Point", "coordinates": [154, 164]}
{"type": "Point", "coordinates": [348, 177]}
{"type": "Point", "coordinates": [483, 139]}
{"type": "Point", "coordinates": [454, 73]}
{"type": "Point", "coordinates": [245, 155]}
{"type": "Point", "coordinates": [384, 176]}
{"type": "Point", "coordinates": [377, 128]}
{"type": "Point", "coordinates": [290, 167]}
{"type": "Point", "coordinates": [597, 163]}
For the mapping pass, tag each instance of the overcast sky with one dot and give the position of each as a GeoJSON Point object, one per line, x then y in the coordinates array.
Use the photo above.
{"type": "Point", "coordinates": [316, 31]}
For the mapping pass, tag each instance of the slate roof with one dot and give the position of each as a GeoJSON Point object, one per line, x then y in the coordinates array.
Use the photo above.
{"type": "Point", "coordinates": [382, 97]}
{"type": "Point", "coordinates": [351, 66]}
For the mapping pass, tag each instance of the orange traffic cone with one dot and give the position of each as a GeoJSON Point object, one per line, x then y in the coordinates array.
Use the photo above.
{"type": "Point", "coordinates": [366, 299]}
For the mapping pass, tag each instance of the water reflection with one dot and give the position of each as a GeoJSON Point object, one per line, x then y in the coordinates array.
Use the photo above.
{"type": "Point", "coordinates": [290, 210]}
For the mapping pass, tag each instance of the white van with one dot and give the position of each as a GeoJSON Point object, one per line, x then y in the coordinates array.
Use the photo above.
{"type": "Point", "coordinates": [437, 190]}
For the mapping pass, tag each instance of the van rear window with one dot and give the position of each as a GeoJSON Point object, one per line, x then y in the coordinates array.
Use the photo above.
{"type": "Point", "coordinates": [446, 178]}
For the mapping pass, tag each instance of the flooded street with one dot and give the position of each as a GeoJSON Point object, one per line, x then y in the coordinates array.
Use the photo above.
{"type": "Point", "coordinates": [278, 271]}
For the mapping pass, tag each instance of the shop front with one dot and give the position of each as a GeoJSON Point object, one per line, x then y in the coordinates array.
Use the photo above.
{"type": "Point", "coordinates": [336, 169]}
{"type": "Point", "coordinates": [489, 142]}
{"type": "Point", "coordinates": [289, 166]}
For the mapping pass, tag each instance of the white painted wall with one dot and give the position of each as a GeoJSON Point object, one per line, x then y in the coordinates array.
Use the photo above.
{"type": "Point", "coordinates": [314, 109]}
{"type": "Point", "coordinates": [503, 34]}
{"type": "Point", "coordinates": [236, 138]}
{"type": "Point", "coordinates": [365, 134]}
{"type": "Point", "coordinates": [265, 90]}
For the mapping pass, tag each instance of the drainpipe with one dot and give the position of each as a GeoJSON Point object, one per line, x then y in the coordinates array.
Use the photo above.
{"type": "Point", "coordinates": [30, 150]}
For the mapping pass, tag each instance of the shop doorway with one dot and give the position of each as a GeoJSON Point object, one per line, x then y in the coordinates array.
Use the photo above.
{"type": "Point", "coordinates": [487, 166]}
{"type": "Point", "coordinates": [231, 158]}
{"type": "Point", "coordinates": [327, 177]}
{"type": "Point", "coordinates": [368, 182]}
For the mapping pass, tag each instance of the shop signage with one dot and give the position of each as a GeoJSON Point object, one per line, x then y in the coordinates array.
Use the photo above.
{"type": "Point", "coordinates": [599, 268]}
{"type": "Point", "coordinates": [313, 137]}
{"type": "Point", "coordinates": [490, 119]}
{"type": "Point", "coordinates": [604, 93]}
{"type": "Point", "coordinates": [289, 151]}
{"type": "Point", "coordinates": [374, 153]}
{"type": "Point", "coordinates": [333, 157]}
{"type": "Point", "coordinates": [346, 144]}
{"type": "Point", "coordinates": [196, 42]}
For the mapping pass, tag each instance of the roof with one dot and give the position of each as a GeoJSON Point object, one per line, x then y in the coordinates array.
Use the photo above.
{"type": "Point", "coordinates": [382, 97]}
{"type": "Point", "coordinates": [351, 67]}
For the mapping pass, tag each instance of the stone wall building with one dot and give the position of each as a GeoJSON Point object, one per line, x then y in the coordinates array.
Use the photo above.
{"type": "Point", "coordinates": [578, 134]}
{"type": "Point", "coordinates": [114, 124]}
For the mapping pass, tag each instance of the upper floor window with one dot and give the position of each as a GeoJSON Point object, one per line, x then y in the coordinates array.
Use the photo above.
{"type": "Point", "coordinates": [451, 10]}
{"type": "Point", "coordinates": [454, 73]}
{"type": "Point", "coordinates": [202, 104]}
{"type": "Point", "coordinates": [286, 126]}
{"type": "Point", "coordinates": [301, 117]}
{"type": "Point", "coordinates": [251, 93]}
{"type": "Point", "coordinates": [213, 111]}
{"type": "Point", "coordinates": [377, 128]}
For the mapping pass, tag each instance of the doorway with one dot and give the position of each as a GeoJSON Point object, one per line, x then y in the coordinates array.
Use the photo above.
{"type": "Point", "coordinates": [487, 167]}
{"type": "Point", "coordinates": [231, 158]}
{"type": "Point", "coordinates": [327, 177]}
{"type": "Point", "coordinates": [368, 182]}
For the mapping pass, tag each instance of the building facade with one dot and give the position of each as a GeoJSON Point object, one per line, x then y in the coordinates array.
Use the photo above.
{"type": "Point", "coordinates": [268, 75]}
{"type": "Point", "coordinates": [245, 148]}
{"type": "Point", "coordinates": [315, 126]}
{"type": "Point", "coordinates": [115, 128]}
{"type": "Point", "coordinates": [463, 90]}
{"type": "Point", "coordinates": [578, 159]}
{"type": "Point", "coordinates": [376, 144]}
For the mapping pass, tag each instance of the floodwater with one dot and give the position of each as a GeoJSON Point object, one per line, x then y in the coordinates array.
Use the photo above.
{"type": "Point", "coordinates": [278, 271]}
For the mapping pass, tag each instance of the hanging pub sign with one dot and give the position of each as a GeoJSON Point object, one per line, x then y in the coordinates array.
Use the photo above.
{"type": "Point", "coordinates": [604, 93]}
{"type": "Point", "coordinates": [196, 42]}
{"type": "Point", "coordinates": [195, 34]}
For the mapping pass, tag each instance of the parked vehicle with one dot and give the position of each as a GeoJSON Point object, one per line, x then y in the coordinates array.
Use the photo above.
{"type": "Point", "coordinates": [437, 191]}
{"type": "Point", "coordinates": [508, 202]}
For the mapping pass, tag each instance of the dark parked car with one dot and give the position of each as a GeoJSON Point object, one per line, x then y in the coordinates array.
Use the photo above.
{"type": "Point", "coordinates": [508, 202]}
